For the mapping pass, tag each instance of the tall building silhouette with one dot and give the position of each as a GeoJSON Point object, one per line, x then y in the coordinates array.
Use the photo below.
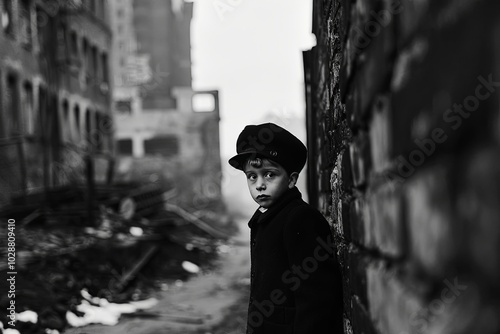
{"type": "Point", "coordinates": [166, 132]}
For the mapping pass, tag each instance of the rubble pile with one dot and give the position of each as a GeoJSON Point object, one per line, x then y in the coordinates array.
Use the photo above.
{"type": "Point", "coordinates": [64, 272]}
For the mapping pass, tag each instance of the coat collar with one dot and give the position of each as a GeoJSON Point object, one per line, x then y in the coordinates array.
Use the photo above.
{"type": "Point", "coordinates": [263, 217]}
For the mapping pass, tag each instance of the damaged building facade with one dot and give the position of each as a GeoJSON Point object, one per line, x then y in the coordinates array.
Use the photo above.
{"type": "Point", "coordinates": [403, 124]}
{"type": "Point", "coordinates": [56, 126]}
{"type": "Point", "coordinates": [167, 133]}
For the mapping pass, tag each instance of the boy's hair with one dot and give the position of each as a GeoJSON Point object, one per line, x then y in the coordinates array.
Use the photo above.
{"type": "Point", "coordinates": [258, 162]}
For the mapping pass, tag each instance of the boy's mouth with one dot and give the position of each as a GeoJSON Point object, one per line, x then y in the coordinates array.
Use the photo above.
{"type": "Point", "coordinates": [263, 196]}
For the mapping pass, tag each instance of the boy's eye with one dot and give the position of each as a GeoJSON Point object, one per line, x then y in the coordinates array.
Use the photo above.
{"type": "Point", "coordinates": [251, 177]}
{"type": "Point", "coordinates": [269, 174]}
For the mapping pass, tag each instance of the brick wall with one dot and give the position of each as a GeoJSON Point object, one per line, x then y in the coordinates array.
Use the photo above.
{"type": "Point", "coordinates": [403, 130]}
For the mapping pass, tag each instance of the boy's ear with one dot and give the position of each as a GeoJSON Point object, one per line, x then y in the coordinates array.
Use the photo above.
{"type": "Point", "coordinates": [292, 180]}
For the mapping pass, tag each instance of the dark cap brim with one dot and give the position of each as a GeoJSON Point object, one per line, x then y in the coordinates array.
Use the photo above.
{"type": "Point", "coordinates": [238, 161]}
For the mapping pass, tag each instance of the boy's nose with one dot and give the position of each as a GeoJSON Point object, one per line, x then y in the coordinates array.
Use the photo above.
{"type": "Point", "coordinates": [261, 187]}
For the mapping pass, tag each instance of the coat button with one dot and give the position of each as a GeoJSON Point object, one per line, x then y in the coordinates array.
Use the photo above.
{"type": "Point", "coordinates": [273, 153]}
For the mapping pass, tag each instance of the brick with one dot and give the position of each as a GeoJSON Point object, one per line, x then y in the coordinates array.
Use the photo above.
{"type": "Point", "coordinates": [361, 322]}
{"type": "Point", "coordinates": [380, 135]}
{"type": "Point", "coordinates": [386, 221]}
{"type": "Point", "coordinates": [433, 233]}
{"type": "Point", "coordinates": [391, 305]}
{"type": "Point", "coordinates": [343, 256]}
{"type": "Point", "coordinates": [357, 274]}
{"type": "Point", "coordinates": [409, 18]}
{"type": "Point", "coordinates": [352, 102]}
{"type": "Point", "coordinates": [355, 222]}
{"type": "Point", "coordinates": [478, 209]}
{"type": "Point", "coordinates": [377, 222]}
{"type": "Point", "coordinates": [456, 307]}
{"type": "Point", "coordinates": [360, 223]}
{"type": "Point", "coordinates": [429, 66]}
{"type": "Point", "coordinates": [368, 50]}
{"type": "Point", "coordinates": [464, 317]}
{"type": "Point", "coordinates": [360, 159]}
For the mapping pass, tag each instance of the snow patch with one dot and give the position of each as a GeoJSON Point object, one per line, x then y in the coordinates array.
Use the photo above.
{"type": "Point", "coordinates": [103, 312]}
{"type": "Point", "coordinates": [190, 267]}
{"type": "Point", "coordinates": [27, 316]}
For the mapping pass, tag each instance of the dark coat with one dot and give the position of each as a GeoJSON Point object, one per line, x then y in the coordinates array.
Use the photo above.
{"type": "Point", "coordinates": [296, 284]}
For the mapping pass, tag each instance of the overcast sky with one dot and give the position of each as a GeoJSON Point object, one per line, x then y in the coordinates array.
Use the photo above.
{"type": "Point", "coordinates": [251, 51]}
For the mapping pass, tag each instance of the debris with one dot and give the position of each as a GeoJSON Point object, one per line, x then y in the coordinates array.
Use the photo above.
{"type": "Point", "coordinates": [105, 313]}
{"type": "Point", "coordinates": [27, 316]}
{"type": "Point", "coordinates": [223, 249]}
{"type": "Point", "coordinates": [190, 267]}
{"type": "Point", "coordinates": [31, 217]}
{"type": "Point", "coordinates": [136, 231]}
{"type": "Point", "coordinates": [74, 273]}
{"type": "Point", "coordinates": [51, 331]}
{"type": "Point", "coordinates": [127, 208]}
{"type": "Point", "coordinates": [195, 220]}
{"type": "Point", "coordinates": [132, 272]}
{"type": "Point", "coordinates": [10, 331]}
{"type": "Point", "coordinates": [145, 304]}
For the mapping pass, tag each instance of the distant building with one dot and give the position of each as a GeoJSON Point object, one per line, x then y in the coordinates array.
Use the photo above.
{"type": "Point", "coordinates": [166, 132]}
{"type": "Point", "coordinates": [55, 92]}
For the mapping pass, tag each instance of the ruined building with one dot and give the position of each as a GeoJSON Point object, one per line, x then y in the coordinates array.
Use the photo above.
{"type": "Point", "coordinates": [55, 95]}
{"type": "Point", "coordinates": [167, 134]}
{"type": "Point", "coordinates": [403, 132]}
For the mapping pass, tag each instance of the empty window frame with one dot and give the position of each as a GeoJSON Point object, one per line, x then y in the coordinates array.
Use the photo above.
{"type": "Point", "coordinates": [88, 128]}
{"type": "Point", "coordinates": [125, 147]}
{"type": "Point", "coordinates": [43, 126]}
{"type": "Point", "coordinates": [28, 109]}
{"type": "Point", "coordinates": [105, 68]}
{"type": "Point", "coordinates": [95, 64]}
{"type": "Point", "coordinates": [43, 24]}
{"type": "Point", "coordinates": [203, 102]}
{"type": "Point", "coordinates": [99, 135]}
{"type": "Point", "coordinates": [65, 122]}
{"type": "Point", "coordinates": [25, 31]}
{"type": "Point", "coordinates": [77, 132]}
{"type": "Point", "coordinates": [123, 106]}
{"type": "Point", "coordinates": [74, 44]}
{"type": "Point", "coordinates": [12, 107]}
{"type": "Point", "coordinates": [165, 146]}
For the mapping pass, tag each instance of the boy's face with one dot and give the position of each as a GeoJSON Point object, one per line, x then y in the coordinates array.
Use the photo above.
{"type": "Point", "coordinates": [268, 182]}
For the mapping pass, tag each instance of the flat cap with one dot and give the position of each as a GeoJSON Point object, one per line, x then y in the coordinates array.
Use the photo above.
{"type": "Point", "coordinates": [272, 142]}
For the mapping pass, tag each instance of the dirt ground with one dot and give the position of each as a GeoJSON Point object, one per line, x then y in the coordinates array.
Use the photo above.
{"type": "Point", "coordinates": [212, 302]}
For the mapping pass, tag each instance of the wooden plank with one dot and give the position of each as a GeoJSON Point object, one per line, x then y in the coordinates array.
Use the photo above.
{"type": "Point", "coordinates": [128, 276]}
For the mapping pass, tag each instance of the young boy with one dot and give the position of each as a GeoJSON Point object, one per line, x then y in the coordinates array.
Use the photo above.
{"type": "Point", "coordinates": [296, 284]}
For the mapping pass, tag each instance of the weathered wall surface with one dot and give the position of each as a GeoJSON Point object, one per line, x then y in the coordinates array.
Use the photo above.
{"type": "Point", "coordinates": [55, 96]}
{"type": "Point", "coordinates": [403, 131]}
